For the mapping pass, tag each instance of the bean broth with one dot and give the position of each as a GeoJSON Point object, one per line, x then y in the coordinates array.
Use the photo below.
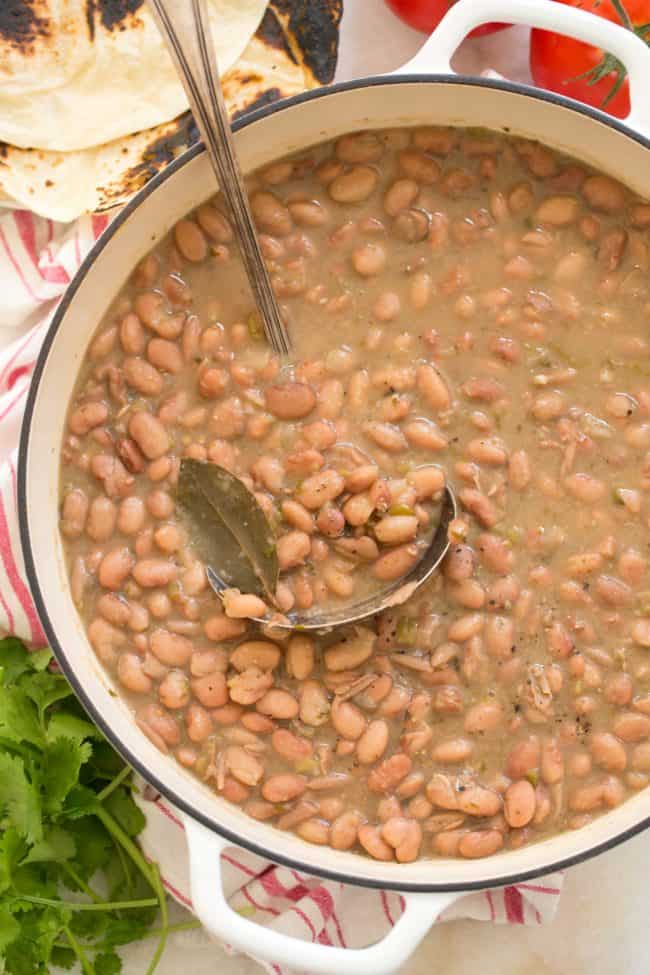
{"type": "Point", "coordinates": [463, 306]}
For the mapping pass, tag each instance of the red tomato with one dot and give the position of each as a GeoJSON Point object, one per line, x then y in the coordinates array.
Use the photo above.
{"type": "Point", "coordinates": [584, 72]}
{"type": "Point", "coordinates": [424, 15]}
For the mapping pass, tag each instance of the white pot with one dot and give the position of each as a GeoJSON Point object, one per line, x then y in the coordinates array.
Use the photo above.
{"type": "Point", "coordinates": [415, 96]}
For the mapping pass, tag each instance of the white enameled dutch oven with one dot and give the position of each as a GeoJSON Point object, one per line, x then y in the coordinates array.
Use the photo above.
{"type": "Point", "coordinates": [424, 92]}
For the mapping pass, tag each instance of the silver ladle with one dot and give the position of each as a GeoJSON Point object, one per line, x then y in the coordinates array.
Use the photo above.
{"type": "Point", "coordinates": [390, 596]}
{"type": "Point", "coordinates": [185, 28]}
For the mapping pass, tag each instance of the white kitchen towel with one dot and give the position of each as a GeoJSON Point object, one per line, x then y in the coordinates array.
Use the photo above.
{"type": "Point", "coordinates": [37, 260]}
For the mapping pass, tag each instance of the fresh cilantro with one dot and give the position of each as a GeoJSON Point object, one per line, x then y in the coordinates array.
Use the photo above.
{"type": "Point", "coordinates": [19, 720]}
{"type": "Point", "coordinates": [74, 885]}
{"type": "Point", "coordinates": [19, 798]}
{"type": "Point", "coordinates": [61, 764]}
{"type": "Point", "coordinates": [108, 963]}
{"type": "Point", "coordinates": [63, 724]}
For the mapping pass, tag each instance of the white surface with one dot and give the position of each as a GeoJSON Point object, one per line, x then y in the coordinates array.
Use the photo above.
{"type": "Point", "coordinates": [602, 918]}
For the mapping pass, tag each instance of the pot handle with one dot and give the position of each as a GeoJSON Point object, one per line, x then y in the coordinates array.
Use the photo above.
{"type": "Point", "coordinates": [435, 55]}
{"type": "Point", "coordinates": [214, 912]}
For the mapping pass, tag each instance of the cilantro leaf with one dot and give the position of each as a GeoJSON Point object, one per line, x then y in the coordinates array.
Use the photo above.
{"type": "Point", "coordinates": [14, 661]}
{"type": "Point", "coordinates": [94, 847]}
{"type": "Point", "coordinates": [30, 952]}
{"type": "Point", "coordinates": [57, 845]}
{"type": "Point", "coordinates": [19, 798]}
{"type": "Point", "coordinates": [45, 689]}
{"type": "Point", "coordinates": [104, 761]}
{"type": "Point", "coordinates": [19, 720]}
{"type": "Point", "coordinates": [12, 849]}
{"type": "Point", "coordinates": [62, 760]}
{"type": "Point", "coordinates": [122, 807]}
{"type": "Point", "coordinates": [62, 724]}
{"type": "Point", "coordinates": [89, 926]}
{"type": "Point", "coordinates": [125, 930]}
{"type": "Point", "coordinates": [80, 801]}
{"type": "Point", "coordinates": [9, 928]}
{"type": "Point", "coordinates": [108, 964]}
{"type": "Point", "coordinates": [40, 659]}
{"type": "Point", "coordinates": [63, 957]}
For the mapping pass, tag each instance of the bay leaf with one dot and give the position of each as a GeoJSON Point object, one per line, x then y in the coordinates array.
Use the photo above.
{"type": "Point", "coordinates": [228, 527]}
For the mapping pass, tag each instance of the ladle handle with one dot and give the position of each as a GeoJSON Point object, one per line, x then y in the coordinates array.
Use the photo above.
{"type": "Point", "coordinates": [185, 27]}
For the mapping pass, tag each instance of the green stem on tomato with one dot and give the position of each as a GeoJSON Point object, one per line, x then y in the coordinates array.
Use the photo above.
{"type": "Point", "coordinates": [623, 14]}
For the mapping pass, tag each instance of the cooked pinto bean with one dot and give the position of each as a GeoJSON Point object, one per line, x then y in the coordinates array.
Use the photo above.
{"type": "Point", "coordinates": [353, 186]}
{"type": "Point", "coordinates": [170, 648]}
{"type": "Point", "coordinates": [519, 804]}
{"type": "Point", "coordinates": [151, 573]}
{"type": "Point", "coordinates": [603, 193]}
{"type": "Point", "coordinates": [290, 401]}
{"type": "Point", "coordinates": [373, 742]}
{"type": "Point", "coordinates": [479, 843]}
{"type": "Point", "coordinates": [86, 417]}
{"type": "Point", "coordinates": [396, 562]}
{"type": "Point", "coordinates": [131, 675]}
{"type": "Point", "coordinates": [149, 434]}
{"type": "Point", "coordinates": [347, 719]}
{"type": "Point", "coordinates": [255, 653]}
{"type": "Point", "coordinates": [314, 703]}
{"type": "Point", "coordinates": [405, 836]}
{"type": "Point", "coordinates": [371, 840]}
{"type": "Point", "coordinates": [270, 214]}
{"type": "Point", "coordinates": [299, 657]}
{"type": "Point", "coordinates": [351, 652]}
{"type": "Point", "coordinates": [141, 375]}
{"type": "Point", "coordinates": [219, 628]}
{"type": "Point", "coordinates": [115, 567]}
{"type": "Point", "coordinates": [74, 513]}
{"type": "Point", "coordinates": [293, 548]}
{"type": "Point", "coordinates": [608, 752]}
{"type": "Point", "coordinates": [283, 788]}
{"type": "Point", "coordinates": [317, 490]}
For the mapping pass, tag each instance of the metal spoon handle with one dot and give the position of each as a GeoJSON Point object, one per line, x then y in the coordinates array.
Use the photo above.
{"type": "Point", "coordinates": [185, 27]}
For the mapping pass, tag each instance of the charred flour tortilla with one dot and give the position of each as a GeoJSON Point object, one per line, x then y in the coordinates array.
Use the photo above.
{"type": "Point", "coordinates": [295, 48]}
{"type": "Point", "coordinates": [80, 73]}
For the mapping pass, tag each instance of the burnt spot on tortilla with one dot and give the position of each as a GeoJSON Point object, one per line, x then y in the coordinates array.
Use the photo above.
{"type": "Point", "coordinates": [22, 23]}
{"type": "Point", "coordinates": [113, 15]}
{"type": "Point", "coordinates": [312, 32]}
{"type": "Point", "coordinates": [266, 98]}
{"type": "Point", "coordinates": [117, 14]}
{"type": "Point", "coordinates": [90, 18]}
{"type": "Point", "coordinates": [179, 135]}
{"type": "Point", "coordinates": [270, 32]}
